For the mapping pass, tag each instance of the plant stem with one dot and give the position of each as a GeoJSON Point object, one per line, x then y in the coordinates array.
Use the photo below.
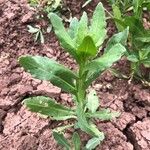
{"type": "Point", "coordinates": [81, 92]}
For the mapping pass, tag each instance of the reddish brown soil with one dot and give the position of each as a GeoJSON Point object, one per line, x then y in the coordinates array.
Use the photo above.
{"type": "Point", "coordinates": [23, 130]}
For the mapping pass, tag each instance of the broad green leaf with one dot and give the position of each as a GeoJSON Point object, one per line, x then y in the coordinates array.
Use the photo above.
{"type": "Point", "coordinates": [117, 15]}
{"type": "Point", "coordinates": [47, 106]}
{"type": "Point", "coordinates": [64, 38]}
{"type": "Point", "coordinates": [73, 28]}
{"type": "Point", "coordinates": [120, 37]}
{"type": "Point", "coordinates": [44, 68]}
{"type": "Point", "coordinates": [84, 125]}
{"type": "Point", "coordinates": [92, 101]}
{"type": "Point", "coordinates": [104, 114]}
{"type": "Point", "coordinates": [97, 66]}
{"type": "Point", "coordinates": [94, 142]}
{"type": "Point", "coordinates": [87, 48]}
{"type": "Point", "coordinates": [61, 140]}
{"type": "Point", "coordinates": [133, 58]}
{"type": "Point", "coordinates": [98, 25]}
{"type": "Point", "coordinates": [82, 29]}
{"type": "Point", "coordinates": [76, 141]}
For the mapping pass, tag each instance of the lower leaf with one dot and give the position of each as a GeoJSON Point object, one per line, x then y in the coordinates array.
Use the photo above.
{"type": "Point", "coordinates": [103, 115]}
{"type": "Point", "coordinates": [47, 106]}
{"type": "Point", "coordinates": [94, 142]}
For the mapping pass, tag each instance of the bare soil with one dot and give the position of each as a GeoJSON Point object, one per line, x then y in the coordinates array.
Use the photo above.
{"type": "Point", "coordinates": [21, 129]}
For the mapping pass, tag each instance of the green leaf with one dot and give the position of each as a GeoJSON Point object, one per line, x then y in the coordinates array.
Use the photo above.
{"type": "Point", "coordinates": [104, 114]}
{"type": "Point", "coordinates": [84, 125]}
{"type": "Point", "coordinates": [32, 29]}
{"type": "Point", "coordinates": [41, 37]}
{"type": "Point", "coordinates": [117, 15]}
{"type": "Point", "coordinates": [120, 37]}
{"type": "Point", "coordinates": [61, 140]}
{"type": "Point", "coordinates": [94, 142]}
{"type": "Point", "coordinates": [64, 38]}
{"type": "Point", "coordinates": [73, 28]}
{"type": "Point", "coordinates": [146, 63]}
{"type": "Point", "coordinates": [133, 58]}
{"type": "Point", "coordinates": [98, 25]}
{"type": "Point", "coordinates": [82, 29]}
{"type": "Point", "coordinates": [145, 39]}
{"type": "Point", "coordinates": [76, 141]}
{"type": "Point", "coordinates": [44, 68]}
{"type": "Point", "coordinates": [92, 101]}
{"type": "Point", "coordinates": [47, 106]}
{"type": "Point", "coordinates": [97, 66]}
{"type": "Point", "coordinates": [87, 48]}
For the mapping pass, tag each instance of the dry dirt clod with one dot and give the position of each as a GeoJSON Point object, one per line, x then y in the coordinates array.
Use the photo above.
{"type": "Point", "coordinates": [139, 134]}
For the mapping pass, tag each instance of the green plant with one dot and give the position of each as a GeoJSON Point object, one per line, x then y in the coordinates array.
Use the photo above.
{"type": "Point", "coordinates": [138, 52]}
{"type": "Point", "coordinates": [38, 33]}
{"type": "Point", "coordinates": [82, 42]}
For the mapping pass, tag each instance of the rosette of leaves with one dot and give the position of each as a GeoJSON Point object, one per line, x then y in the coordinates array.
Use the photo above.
{"type": "Point", "coordinates": [138, 52]}
{"type": "Point", "coordinates": [82, 40]}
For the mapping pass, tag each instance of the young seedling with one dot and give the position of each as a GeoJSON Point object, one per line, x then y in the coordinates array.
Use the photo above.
{"type": "Point", "coordinates": [139, 38]}
{"type": "Point", "coordinates": [82, 42]}
{"type": "Point", "coordinates": [37, 32]}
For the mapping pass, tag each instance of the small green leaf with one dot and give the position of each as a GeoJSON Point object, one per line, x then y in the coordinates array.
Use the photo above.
{"type": "Point", "coordinates": [61, 140]}
{"type": "Point", "coordinates": [84, 125]}
{"type": "Point", "coordinates": [117, 15]}
{"type": "Point", "coordinates": [47, 106]}
{"type": "Point", "coordinates": [41, 37]}
{"type": "Point", "coordinates": [120, 37]}
{"type": "Point", "coordinates": [146, 63]}
{"type": "Point", "coordinates": [87, 48]}
{"type": "Point", "coordinates": [133, 58]}
{"type": "Point", "coordinates": [82, 29]}
{"type": "Point", "coordinates": [97, 66]}
{"type": "Point", "coordinates": [44, 68]}
{"type": "Point", "coordinates": [94, 142]}
{"type": "Point", "coordinates": [32, 29]}
{"type": "Point", "coordinates": [76, 141]}
{"type": "Point", "coordinates": [98, 25]}
{"type": "Point", "coordinates": [145, 39]}
{"type": "Point", "coordinates": [92, 101]}
{"type": "Point", "coordinates": [104, 114]}
{"type": "Point", "coordinates": [64, 38]}
{"type": "Point", "coordinates": [73, 28]}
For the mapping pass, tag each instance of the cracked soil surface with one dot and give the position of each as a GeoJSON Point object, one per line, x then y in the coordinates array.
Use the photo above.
{"type": "Point", "coordinates": [23, 130]}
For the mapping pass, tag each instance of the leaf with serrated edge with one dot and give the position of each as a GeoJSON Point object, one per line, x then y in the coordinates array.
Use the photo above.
{"type": "Point", "coordinates": [47, 106]}
{"type": "Point", "coordinates": [98, 25]}
{"type": "Point", "coordinates": [64, 38]}
{"type": "Point", "coordinates": [120, 37]}
{"type": "Point", "coordinates": [92, 101]}
{"type": "Point", "coordinates": [103, 115]}
{"type": "Point", "coordinates": [61, 140]}
{"type": "Point", "coordinates": [44, 68]}
{"type": "Point", "coordinates": [82, 29]}
{"type": "Point", "coordinates": [97, 66]}
{"type": "Point", "coordinates": [84, 125]}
